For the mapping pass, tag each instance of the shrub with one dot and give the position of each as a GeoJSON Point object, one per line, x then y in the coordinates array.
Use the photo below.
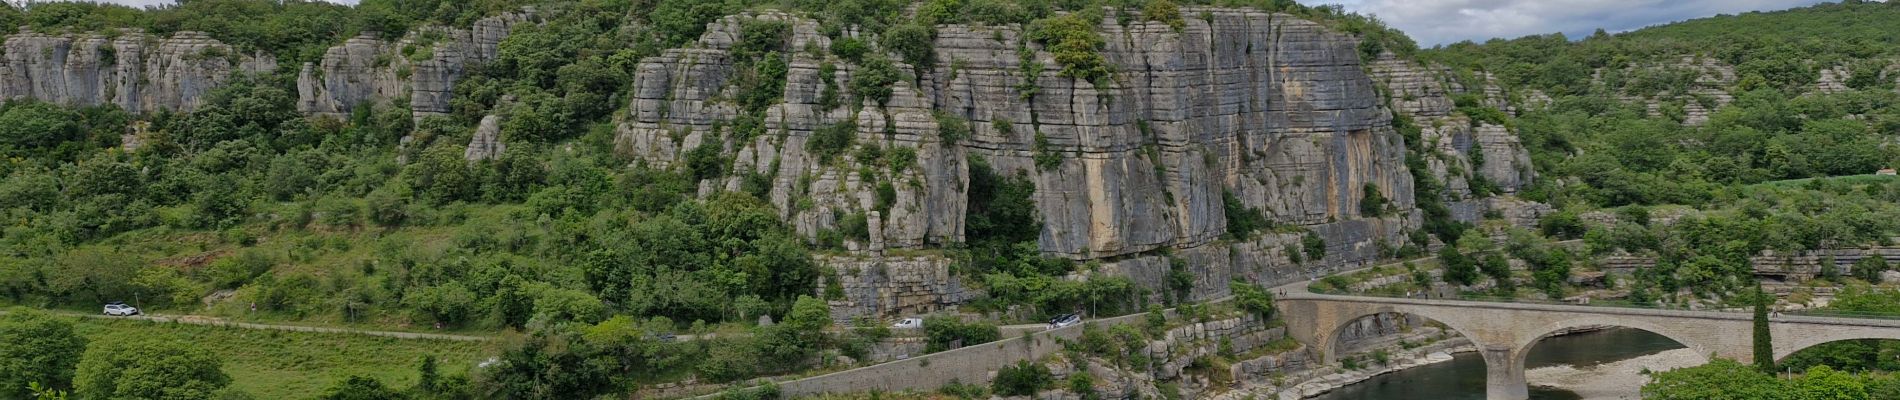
{"type": "Point", "coordinates": [874, 78]}
{"type": "Point", "coordinates": [1047, 158]}
{"type": "Point", "coordinates": [831, 140]}
{"type": "Point", "coordinates": [1022, 379]}
{"type": "Point", "coordinates": [941, 332]}
{"type": "Point", "coordinates": [952, 128]}
{"type": "Point", "coordinates": [1242, 221]}
{"type": "Point", "coordinates": [1252, 298]}
{"type": "Point", "coordinates": [1562, 225]}
{"type": "Point", "coordinates": [912, 42]}
{"type": "Point", "coordinates": [1373, 204]}
{"type": "Point", "coordinates": [1313, 246]}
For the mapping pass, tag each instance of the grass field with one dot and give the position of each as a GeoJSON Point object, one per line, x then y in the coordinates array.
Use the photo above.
{"type": "Point", "coordinates": [296, 365]}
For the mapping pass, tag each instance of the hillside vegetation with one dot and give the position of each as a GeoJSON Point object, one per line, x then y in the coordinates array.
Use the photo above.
{"type": "Point", "coordinates": [1704, 143]}
{"type": "Point", "coordinates": [247, 209]}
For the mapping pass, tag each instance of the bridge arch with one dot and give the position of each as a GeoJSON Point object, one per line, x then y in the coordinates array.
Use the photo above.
{"type": "Point", "coordinates": [1522, 349]}
{"type": "Point", "coordinates": [1787, 342]}
{"type": "Point", "coordinates": [1329, 341]}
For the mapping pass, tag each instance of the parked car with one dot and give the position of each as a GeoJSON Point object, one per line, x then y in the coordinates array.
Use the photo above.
{"type": "Point", "coordinates": [908, 323]}
{"type": "Point", "coordinates": [119, 308]}
{"type": "Point", "coordinates": [1064, 320]}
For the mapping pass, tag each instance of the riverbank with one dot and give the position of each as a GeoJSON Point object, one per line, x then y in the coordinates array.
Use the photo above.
{"type": "Point", "coordinates": [1613, 380]}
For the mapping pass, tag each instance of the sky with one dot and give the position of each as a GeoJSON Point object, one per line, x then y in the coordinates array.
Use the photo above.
{"type": "Point", "coordinates": [1434, 22]}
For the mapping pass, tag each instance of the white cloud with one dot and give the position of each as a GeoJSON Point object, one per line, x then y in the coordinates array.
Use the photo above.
{"type": "Point", "coordinates": [1433, 22]}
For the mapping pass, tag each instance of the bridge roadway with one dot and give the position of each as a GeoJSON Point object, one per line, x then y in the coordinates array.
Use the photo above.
{"type": "Point", "coordinates": [1505, 331]}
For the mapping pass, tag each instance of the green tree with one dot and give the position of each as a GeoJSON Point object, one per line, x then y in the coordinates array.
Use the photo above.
{"type": "Point", "coordinates": [1823, 383]}
{"type": "Point", "coordinates": [1022, 379]}
{"type": "Point", "coordinates": [801, 333]}
{"type": "Point", "coordinates": [36, 347]}
{"type": "Point", "coordinates": [1869, 268]}
{"type": "Point", "coordinates": [1459, 269]}
{"type": "Point", "coordinates": [1252, 298]}
{"type": "Point", "coordinates": [1720, 379]}
{"type": "Point", "coordinates": [149, 369]}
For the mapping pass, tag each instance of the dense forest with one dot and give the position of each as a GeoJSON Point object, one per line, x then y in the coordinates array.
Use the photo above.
{"type": "Point", "coordinates": [1654, 121]}
{"type": "Point", "coordinates": [1708, 142]}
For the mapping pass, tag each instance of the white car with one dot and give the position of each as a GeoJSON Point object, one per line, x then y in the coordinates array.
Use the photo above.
{"type": "Point", "coordinates": [121, 309]}
{"type": "Point", "coordinates": [908, 323]}
{"type": "Point", "coordinates": [1064, 320]}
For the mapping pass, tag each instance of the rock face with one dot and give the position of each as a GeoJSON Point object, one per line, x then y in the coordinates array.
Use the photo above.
{"type": "Point", "coordinates": [135, 71]}
{"type": "Point", "coordinates": [487, 143]}
{"type": "Point", "coordinates": [423, 67]}
{"type": "Point", "coordinates": [1457, 143]}
{"type": "Point", "coordinates": [1273, 109]}
{"type": "Point", "coordinates": [887, 285]}
{"type": "Point", "coordinates": [141, 73]}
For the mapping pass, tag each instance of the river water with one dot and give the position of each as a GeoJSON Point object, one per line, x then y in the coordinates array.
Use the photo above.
{"type": "Point", "coordinates": [1462, 378]}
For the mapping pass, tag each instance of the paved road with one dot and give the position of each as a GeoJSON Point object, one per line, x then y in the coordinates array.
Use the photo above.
{"type": "Point", "coordinates": [210, 321]}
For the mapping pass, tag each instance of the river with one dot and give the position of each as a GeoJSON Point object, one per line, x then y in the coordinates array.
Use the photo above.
{"type": "Point", "coordinates": [1462, 378]}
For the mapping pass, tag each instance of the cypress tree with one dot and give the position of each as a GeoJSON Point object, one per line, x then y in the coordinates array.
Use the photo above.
{"type": "Point", "coordinates": [1764, 346]}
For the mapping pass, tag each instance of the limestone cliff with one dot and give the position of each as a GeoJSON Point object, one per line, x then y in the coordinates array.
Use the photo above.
{"type": "Point", "coordinates": [133, 70]}
{"type": "Point", "coordinates": [1276, 110]}
{"type": "Point", "coordinates": [421, 67]}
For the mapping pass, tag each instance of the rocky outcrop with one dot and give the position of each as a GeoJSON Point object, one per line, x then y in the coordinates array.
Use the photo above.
{"type": "Point", "coordinates": [874, 286]}
{"type": "Point", "coordinates": [1178, 347]}
{"type": "Point", "coordinates": [487, 143]}
{"type": "Point", "coordinates": [135, 71]}
{"type": "Point", "coordinates": [1787, 266]}
{"type": "Point", "coordinates": [1833, 80]}
{"type": "Point", "coordinates": [1461, 149]}
{"type": "Point", "coordinates": [1693, 104]}
{"type": "Point", "coordinates": [1271, 108]}
{"type": "Point", "coordinates": [421, 67]}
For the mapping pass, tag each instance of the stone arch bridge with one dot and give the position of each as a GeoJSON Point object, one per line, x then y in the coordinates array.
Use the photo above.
{"type": "Point", "coordinates": [1504, 332]}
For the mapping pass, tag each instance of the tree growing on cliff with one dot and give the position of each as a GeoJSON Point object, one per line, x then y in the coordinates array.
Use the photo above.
{"type": "Point", "coordinates": [1242, 221]}
{"type": "Point", "coordinates": [1373, 203]}
{"type": "Point", "coordinates": [1764, 344]}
